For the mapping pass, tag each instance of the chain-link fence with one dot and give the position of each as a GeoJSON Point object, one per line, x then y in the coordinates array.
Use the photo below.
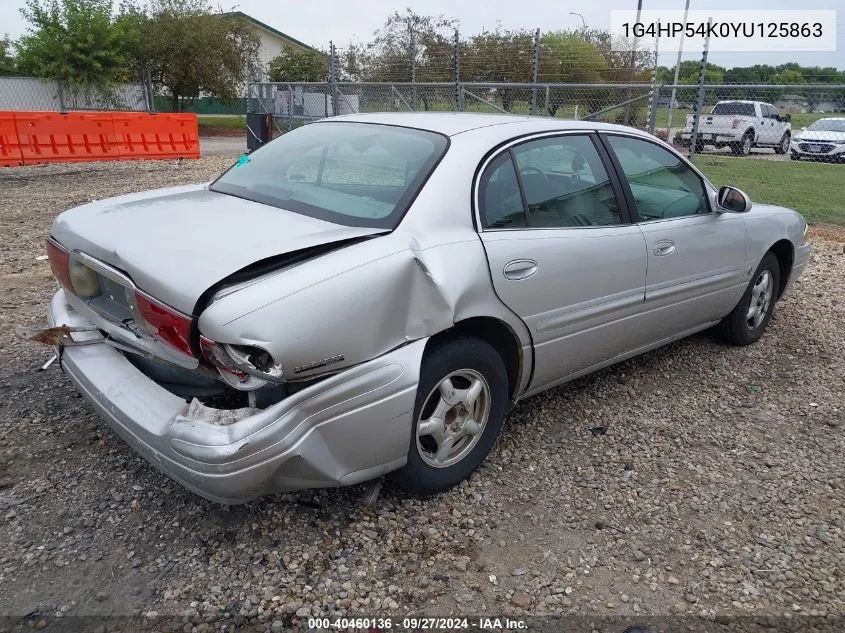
{"type": "Point", "coordinates": [292, 104]}
{"type": "Point", "coordinates": [515, 73]}
{"type": "Point", "coordinates": [801, 122]}
{"type": "Point", "coordinates": [30, 93]}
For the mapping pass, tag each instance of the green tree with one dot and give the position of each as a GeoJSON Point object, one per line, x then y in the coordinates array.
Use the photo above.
{"type": "Point", "coordinates": [8, 63]}
{"type": "Point", "coordinates": [294, 65]}
{"type": "Point", "coordinates": [788, 77]}
{"type": "Point", "coordinates": [498, 56]}
{"type": "Point", "coordinates": [619, 61]}
{"type": "Point", "coordinates": [388, 56]}
{"type": "Point", "coordinates": [569, 58]}
{"type": "Point", "coordinates": [190, 50]}
{"type": "Point", "coordinates": [77, 42]}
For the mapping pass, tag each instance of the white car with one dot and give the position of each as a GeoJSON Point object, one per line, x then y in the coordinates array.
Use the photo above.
{"type": "Point", "coordinates": [370, 294]}
{"type": "Point", "coordinates": [824, 140]}
{"type": "Point", "coordinates": [741, 125]}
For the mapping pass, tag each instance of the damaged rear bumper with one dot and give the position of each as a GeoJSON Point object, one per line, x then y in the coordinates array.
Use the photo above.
{"type": "Point", "coordinates": [348, 428]}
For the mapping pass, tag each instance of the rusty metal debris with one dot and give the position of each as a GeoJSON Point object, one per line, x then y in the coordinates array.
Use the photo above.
{"type": "Point", "coordinates": [53, 336]}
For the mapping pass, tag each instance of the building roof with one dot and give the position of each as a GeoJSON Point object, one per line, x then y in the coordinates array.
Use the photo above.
{"type": "Point", "coordinates": [267, 27]}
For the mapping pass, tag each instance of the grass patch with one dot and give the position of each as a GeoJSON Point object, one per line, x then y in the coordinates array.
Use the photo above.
{"type": "Point", "coordinates": [813, 189]}
{"type": "Point", "coordinates": [218, 121]}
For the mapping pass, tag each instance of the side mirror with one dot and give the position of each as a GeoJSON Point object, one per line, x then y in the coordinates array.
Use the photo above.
{"type": "Point", "coordinates": [732, 200]}
{"type": "Point", "coordinates": [786, 118]}
{"type": "Point", "coordinates": [803, 129]}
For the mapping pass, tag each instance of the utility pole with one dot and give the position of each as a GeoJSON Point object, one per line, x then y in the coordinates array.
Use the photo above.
{"type": "Point", "coordinates": [675, 80]}
{"type": "Point", "coordinates": [699, 102]}
{"type": "Point", "coordinates": [633, 65]}
{"type": "Point", "coordinates": [413, 68]}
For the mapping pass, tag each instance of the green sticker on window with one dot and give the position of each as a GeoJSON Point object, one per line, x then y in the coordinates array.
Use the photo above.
{"type": "Point", "coordinates": [243, 160]}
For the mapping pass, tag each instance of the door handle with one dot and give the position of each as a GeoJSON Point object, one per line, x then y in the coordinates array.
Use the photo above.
{"type": "Point", "coordinates": [520, 269]}
{"type": "Point", "coordinates": [663, 248]}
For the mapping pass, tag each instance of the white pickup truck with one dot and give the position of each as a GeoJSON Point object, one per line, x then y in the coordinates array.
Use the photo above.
{"type": "Point", "coordinates": [741, 125]}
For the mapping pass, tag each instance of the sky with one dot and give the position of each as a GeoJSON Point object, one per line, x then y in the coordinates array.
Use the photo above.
{"type": "Point", "coordinates": [345, 21]}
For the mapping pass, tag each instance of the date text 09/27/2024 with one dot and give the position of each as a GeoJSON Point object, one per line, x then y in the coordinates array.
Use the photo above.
{"type": "Point", "coordinates": [379, 625]}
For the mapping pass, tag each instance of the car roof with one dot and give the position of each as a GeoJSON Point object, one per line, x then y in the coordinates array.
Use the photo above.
{"type": "Point", "coordinates": [453, 123]}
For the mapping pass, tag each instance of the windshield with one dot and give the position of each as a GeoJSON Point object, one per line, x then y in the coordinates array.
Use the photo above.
{"type": "Point", "coordinates": [355, 174]}
{"type": "Point", "coordinates": [734, 107]}
{"type": "Point", "coordinates": [828, 125]}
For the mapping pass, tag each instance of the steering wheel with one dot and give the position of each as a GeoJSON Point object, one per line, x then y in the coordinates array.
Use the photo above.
{"type": "Point", "coordinates": [534, 170]}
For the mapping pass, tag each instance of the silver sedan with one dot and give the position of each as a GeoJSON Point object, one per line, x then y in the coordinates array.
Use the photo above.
{"type": "Point", "coordinates": [371, 294]}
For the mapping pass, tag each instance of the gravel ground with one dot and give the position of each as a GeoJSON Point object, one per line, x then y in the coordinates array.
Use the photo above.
{"type": "Point", "coordinates": [696, 480]}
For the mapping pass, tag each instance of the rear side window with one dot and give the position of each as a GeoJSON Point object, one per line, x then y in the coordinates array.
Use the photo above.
{"type": "Point", "coordinates": [735, 108]}
{"type": "Point", "coordinates": [554, 182]}
{"type": "Point", "coordinates": [499, 196]}
{"type": "Point", "coordinates": [565, 183]}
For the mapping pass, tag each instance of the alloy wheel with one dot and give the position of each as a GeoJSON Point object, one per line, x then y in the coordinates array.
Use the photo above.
{"type": "Point", "coordinates": [453, 417]}
{"type": "Point", "coordinates": [761, 297]}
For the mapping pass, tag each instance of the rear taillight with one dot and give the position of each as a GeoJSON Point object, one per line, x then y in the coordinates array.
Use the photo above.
{"type": "Point", "coordinates": [735, 123]}
{"type": "Point", "coordinates": [165, 323]}
{"type": "Point", "coordinates": [60, 263]}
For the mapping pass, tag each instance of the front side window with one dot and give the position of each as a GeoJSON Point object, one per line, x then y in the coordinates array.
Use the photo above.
{"type": "Point", "coordinates": [564, 185]}
{"type": "Point", "coordinates": [663, 185]}
{"type": "Point", "coordinates": [354, 174]}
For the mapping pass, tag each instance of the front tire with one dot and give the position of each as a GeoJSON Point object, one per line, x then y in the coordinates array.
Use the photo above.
{"type": "Point", "coordinates": [783, 147]}
{"type": "Point", "coordinates": [458, 415]}
{"type": "Point", "coordinates": [748, 320]}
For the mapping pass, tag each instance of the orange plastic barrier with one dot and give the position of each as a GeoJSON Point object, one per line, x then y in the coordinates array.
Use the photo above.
{"type": "Point", "coordinates": [157, 135]}
{"type": "Point", "coordinates": [50, 137]}
{"type": "Point", "coordinates": [10, 148]}
{"type": "Point", "coordinates": [47, 137]}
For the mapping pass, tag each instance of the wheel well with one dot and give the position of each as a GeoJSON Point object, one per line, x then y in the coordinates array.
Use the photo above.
{"type": "Point", "coordinates": [494, 332]}
{"type": "Point", "coordinates": [785, 253]}
{"type": "Point", "coordinates": [750, 131]}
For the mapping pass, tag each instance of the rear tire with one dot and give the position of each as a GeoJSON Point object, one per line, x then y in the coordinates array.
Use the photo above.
{"type": "Point", "coordinates": [748, 320]}
{"type": "Point", "coordinates": [453, 432]}
{"type": "Point", "coordinates": [743, 148]}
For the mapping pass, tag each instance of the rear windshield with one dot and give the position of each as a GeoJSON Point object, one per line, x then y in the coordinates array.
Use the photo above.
{"type": "Point", "coordinates": [355, 174]}
{"type": "Point", "coordinates": [735, 108]}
